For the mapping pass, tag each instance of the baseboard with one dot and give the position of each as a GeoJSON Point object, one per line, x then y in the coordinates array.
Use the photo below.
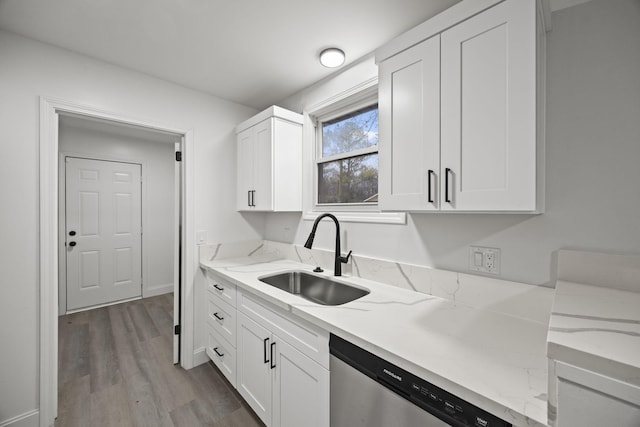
{"type": "Point", "coordinates": [200, 357]}
{"type": "Point", "coordinates": [28, 419]}
{"type": "Point", "coordinates": [157, 290]}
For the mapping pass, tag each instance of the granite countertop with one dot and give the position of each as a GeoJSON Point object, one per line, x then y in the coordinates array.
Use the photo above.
{"type": "Point", "coordinates": [596, 328]}
{"type": "Point", "coordinates": [495, 361]}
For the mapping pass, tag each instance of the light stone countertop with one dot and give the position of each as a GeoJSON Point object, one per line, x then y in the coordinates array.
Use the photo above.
{"type": "Point", "coordinates": [494, 361]}
{"type": "Point", "coordinates": [596, 328]}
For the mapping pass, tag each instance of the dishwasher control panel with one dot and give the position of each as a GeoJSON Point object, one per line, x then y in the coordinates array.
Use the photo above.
{"type": "Point", "coordinates": [440, 403]}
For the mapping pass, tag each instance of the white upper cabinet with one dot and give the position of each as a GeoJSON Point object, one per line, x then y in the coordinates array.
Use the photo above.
{"type": "Point", "coordinates": [409, 124]}
{"type": "Point", "coordinates": [489, 110]}
{"type": "Point", "coordinates": [459, 115]}
{"type": "Point", "coordinates": [270, 162]}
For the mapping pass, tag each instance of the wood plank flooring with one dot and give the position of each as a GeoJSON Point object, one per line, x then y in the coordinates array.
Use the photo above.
{"type": "Point", "coordinates": [115, 369]}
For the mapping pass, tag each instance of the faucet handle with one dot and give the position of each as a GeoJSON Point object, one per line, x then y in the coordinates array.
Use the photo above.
{"type": "Point", "coordinates": [345, 259]}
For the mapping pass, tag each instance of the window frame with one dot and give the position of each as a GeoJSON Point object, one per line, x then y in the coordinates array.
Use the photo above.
{"type": "Point", "coordinates": [363, 93]}
{"type": "Point", "coordinates": [339, 111]}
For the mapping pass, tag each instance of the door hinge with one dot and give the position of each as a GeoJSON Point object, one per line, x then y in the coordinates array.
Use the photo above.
{"type": "Point", "coordinates": [177, 330]}
{"type": "Point", "coordinates": [178, 156]}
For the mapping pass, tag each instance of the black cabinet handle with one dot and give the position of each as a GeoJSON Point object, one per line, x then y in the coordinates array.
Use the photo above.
{"type": "Point", "coordinates": [218, 353]}
{"type": "Point", "coordinates": [217, 316]}
{"type": "Point", "coordinates": [72, 233]}
{"type": "Point", "coordinates": [273, 359]}
{"type": "Point", "coordinates": [248, 197]}
{"type": "Point", "coordinates": [447, 171]}
{"type": "Point", "coordinates": [72, 244]}
{"type": "Point", "coordinates": [220, 288]}
{"type": "Point", "coordinates": [253, 198]}
{"type": "Point", "coordinates": [264, 348]}
{"type": "Point", "coordinates": [429, 185]}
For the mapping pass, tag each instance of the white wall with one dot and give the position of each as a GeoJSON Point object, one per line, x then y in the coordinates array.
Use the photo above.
{"type": "Point", "coordinates": [29, 70]}
{"type": "Point", "coordinates": [592, 172]}
{"type": "Point", "coordinates": [157, 160]}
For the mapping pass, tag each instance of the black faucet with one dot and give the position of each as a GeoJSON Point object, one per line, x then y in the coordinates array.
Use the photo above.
{"type": "Point", "coordinates": [337, 269]}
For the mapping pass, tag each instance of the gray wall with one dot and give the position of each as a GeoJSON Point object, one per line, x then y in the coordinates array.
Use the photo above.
{"type": "Point", "coordinates": [592, 162]}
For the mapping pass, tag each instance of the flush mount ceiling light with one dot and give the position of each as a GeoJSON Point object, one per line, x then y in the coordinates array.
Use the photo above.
{"type": "Point", "coordinates": [332, 57]}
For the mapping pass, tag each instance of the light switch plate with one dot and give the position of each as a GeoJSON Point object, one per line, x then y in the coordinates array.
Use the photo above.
{"type": "Point", "coordinates": [484, 260]}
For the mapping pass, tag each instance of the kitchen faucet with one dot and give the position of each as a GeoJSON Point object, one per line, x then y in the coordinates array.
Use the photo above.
{"type": "Point", "coordinates": [337, 269]}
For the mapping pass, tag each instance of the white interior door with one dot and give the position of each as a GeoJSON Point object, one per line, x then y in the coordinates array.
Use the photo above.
{"type": "Point", "coordinates": [103, 232]}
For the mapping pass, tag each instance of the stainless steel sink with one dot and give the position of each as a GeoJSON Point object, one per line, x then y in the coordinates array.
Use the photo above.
{"type": "Point", "coordinates": [319, 289]}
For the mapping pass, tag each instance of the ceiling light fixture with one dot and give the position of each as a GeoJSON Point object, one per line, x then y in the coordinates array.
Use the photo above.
{"type": "Point", "coordinates": [332, 57]}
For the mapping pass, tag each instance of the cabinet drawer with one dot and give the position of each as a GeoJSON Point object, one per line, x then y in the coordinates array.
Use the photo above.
{"type": "Point", "coordinates": [222, 354]}
{"type": "Point", "coordinates": [222, 317]}
{"type": "Point", "coordinates": [305, 337]}
{"type": "Point", "coordinates": [221, 288]}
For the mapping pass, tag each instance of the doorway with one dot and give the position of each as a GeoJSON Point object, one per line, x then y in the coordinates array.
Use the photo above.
{"type": "Point", "coordinates": [51, 111]}
{"type": "Point", "coordinates": [103, 232]}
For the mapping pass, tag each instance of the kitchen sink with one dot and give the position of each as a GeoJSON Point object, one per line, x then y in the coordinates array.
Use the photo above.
{"type": "Point", "coordinates": [315, 288]}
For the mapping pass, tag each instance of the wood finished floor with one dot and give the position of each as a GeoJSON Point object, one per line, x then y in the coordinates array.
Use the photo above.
{"type": "Point", "coordinates": [115, 369]}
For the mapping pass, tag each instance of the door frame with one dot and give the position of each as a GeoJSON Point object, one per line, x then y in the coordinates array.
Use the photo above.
{"type": "Point", "coordinates": [48, 241]}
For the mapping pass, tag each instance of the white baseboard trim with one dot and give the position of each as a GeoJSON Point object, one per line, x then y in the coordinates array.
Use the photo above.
{"type": "Point", "coordinates": [28, 419]}
{"type": "Point", "coordinates": [157, 290]}
{"type": "Point", "coordinates": [200, 357]}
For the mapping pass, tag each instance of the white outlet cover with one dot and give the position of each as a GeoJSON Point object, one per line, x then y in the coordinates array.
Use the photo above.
{"type": "Point", "coordinates": [484, 260]}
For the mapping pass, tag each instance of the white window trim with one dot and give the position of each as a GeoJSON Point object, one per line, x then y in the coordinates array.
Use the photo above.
{"type": "Point", "coordinates": [359, 96]}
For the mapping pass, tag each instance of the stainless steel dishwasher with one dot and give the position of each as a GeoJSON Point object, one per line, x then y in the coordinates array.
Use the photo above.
{"type": "Point", "coordinates": [369, 391]}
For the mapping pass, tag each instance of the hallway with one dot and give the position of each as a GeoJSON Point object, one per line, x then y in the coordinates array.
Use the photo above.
{"type": "Point", "coordinates": [115, 369]}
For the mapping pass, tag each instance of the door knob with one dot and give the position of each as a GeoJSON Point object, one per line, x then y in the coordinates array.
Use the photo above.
{"type": "Point", "coordinates": [72, 233]}
{"type": "Point", "coordinates": [72, 244]}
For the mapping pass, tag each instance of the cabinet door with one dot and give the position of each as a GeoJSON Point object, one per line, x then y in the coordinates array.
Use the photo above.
{"type": "Point", "coordinates": [253, 373]}
{"type": "Point", "coordinates": [409, 105]}
{"type": "Point", "coordinates": [300, 389]}
{"type": "Point", "coordinates": [245, 169]}
{"type": "Point", "coordinates": [263, 166]}
{"type": "Point", "coordinates": [489, 110]}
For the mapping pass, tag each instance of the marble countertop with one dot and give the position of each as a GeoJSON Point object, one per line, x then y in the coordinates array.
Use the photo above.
{"type": "Point", "coordinates": [495, 361]}
{"type": "Point", "coordinates": [598, 329]}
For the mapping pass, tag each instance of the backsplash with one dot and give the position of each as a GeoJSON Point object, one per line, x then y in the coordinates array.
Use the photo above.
{"type": "Point", "coordinates": [512, 298]}
{"type": "Point", "coordinates": [600, 269]}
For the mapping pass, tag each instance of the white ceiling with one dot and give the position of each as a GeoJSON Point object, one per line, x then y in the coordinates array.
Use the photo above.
{"type": "Point", "coordinates": [254, 52]}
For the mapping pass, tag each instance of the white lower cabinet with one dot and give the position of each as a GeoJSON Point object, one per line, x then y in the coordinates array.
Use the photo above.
{"type": "Point", "coordinates": [280, 383]}
{"type": "Point", "coordinates": [221, 325]}
{"type": "Point", "coordinates": [254, 372]}
{"type": "Point", "coordinates": [222, 354]}
{"type": "Point", "coordinates": [278, 363]}
{"type": "Point", "coordinates": [300, 389]}
{"type": "Point", "coordinates": [586, 398]}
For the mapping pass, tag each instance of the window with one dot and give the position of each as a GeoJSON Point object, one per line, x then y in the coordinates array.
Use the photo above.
{"type": "Point", "coordinates": [347, 157]}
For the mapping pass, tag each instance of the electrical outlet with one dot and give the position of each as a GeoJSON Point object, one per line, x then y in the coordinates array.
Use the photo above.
{"type": "Point", "coordinates": [484, 260]}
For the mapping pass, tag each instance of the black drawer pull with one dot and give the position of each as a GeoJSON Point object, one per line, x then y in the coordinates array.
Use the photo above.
{"type": "Point", "coordinates": [218, 353]}
{"type": "Point", "coordinates": [429, 186]}
{"type": "Point", "coordinates": [217, 316]}
{"type": "Point", "coordinates": [273, 359]}
{"type": "Point", "coordinates": [447, 171]}
{"type": "Point", "coordinates": [264, 348]}
{"type": "Point", "coordinates": [220, 288]}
